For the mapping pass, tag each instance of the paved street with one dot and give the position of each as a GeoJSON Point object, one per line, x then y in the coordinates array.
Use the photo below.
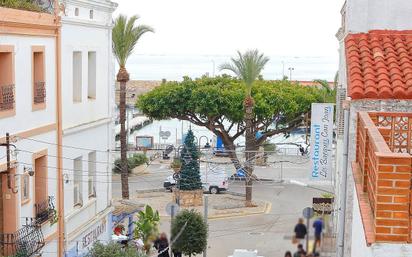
{"type": "Point", "coordinates": [264, 232]}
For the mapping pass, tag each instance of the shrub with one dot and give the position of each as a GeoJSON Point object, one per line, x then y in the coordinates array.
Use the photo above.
{"type": "Point", "coordinates": [135, 160]}
{"type": "Point", "coordinates": [113, 250]}
{"type": "Point", "coordinates": [27, 5]}
{"type": "Point", "coordinates": [147, 226]}
{"type": "Point", "coordinates": [193, 238]}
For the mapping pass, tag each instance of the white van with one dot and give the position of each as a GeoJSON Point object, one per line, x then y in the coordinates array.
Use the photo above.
{"type": "Point", "coordinates": [214, 181]}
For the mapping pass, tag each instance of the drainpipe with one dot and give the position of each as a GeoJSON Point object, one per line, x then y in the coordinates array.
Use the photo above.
{"type": "Point", "coordinates": [60, 186]}
{"type": "Point", "coordinates": [344, 177]}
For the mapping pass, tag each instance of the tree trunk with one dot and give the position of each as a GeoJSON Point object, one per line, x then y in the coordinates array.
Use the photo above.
{"type": "Point", "coordinates": [123, 143]}
{"type": "Point", "coordinates": [250, 151]}
{"type": "Point", "coordinates": [230, 146]}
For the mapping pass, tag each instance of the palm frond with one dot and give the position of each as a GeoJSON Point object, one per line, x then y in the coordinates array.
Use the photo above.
{"type": "Point", "coordinates": [247, 66]}
{"type": "Point", "coordinates": [125, 35]}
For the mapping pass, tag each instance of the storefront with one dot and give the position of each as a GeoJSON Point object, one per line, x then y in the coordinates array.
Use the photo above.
{"type": "Point", "coordinates": [99, 231]}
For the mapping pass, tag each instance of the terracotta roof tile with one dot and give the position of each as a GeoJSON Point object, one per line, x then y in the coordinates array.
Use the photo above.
{"type": "Point", "coordinates": [379, 64]}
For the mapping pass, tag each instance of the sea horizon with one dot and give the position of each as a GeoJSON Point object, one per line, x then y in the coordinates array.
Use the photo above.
{"type": "Point", "coordinates": [176, 66]}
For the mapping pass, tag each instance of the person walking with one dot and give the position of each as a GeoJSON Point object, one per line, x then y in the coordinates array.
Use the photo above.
{"type": "Point", "coordinates": [300, 252]}
{"type": "Point", "coordinates": [300, 232]}
{"type": "Point", "coordinates": [162, 245]}
{"type": "Point", "coordinates": [318, 226]}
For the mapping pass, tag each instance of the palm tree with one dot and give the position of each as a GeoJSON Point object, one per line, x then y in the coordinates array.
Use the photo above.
{"type": "Point", "coordinates": [247, 67]}
{"type": "Point", "coordinates": [125, 36]}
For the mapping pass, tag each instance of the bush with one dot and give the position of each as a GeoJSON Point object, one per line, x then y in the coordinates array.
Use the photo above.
{"type": "Point", "coordinates": [135, 160]}
{"type": "Point", "coordinates": [147, 226]}
{"type": "Point", "coordinates": [27, 5]}
{"type": "Point", "coordinates": [193, 238]}
{"type": "Point", "coordinates": [113, 250]}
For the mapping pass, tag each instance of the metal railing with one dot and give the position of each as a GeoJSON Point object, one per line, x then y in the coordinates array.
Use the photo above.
{"type": "Point", "coordinates": [25, 242]}
{"type": "Point", "coordinates": [7, 97]}
{"type": "Point", "coordinates": [44, 210]}
{"type": "Point", "coordinates": [39, 92]}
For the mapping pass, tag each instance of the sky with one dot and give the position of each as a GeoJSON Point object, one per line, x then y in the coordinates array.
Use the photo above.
{"type": "Point", "coordinates": [283, 29]}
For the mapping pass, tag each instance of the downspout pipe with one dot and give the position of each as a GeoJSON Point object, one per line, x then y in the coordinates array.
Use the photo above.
{"type": "Point", "coordinates": [344, 178]}
{"type": "Point", "coordinates": [60, 186]}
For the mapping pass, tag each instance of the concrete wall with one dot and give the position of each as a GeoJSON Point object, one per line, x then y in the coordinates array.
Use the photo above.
{"type": "Point", "coordinates": [365, 15]}
{"type": "Point", "coordinates": [25, 117]}
{"type": "Point", "coordinates": [88, 124]}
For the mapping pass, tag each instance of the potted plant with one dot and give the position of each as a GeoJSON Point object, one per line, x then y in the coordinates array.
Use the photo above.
{"type": "Point", "coordinates": [147, 227]}
{"type": "Point", "coordinates": [176, 165]}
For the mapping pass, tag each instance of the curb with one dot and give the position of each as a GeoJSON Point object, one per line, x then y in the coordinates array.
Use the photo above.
{"type": "Point", "coordinates": [267, 209]}
{"type": "Point", "coordinates": [142, 191]}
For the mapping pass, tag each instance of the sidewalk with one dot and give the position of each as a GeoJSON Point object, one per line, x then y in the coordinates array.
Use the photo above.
{"type": "Point", "coordinates": [328, 247]}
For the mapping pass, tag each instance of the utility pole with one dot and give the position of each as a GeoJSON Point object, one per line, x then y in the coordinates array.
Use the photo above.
{"type": "Point", "coordinates": [8, 164]}
{"type": "Point", "coordinates": [206, 210]}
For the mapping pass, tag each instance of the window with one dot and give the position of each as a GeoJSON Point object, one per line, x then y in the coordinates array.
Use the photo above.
{"type": "Point", "coordinates": [92, 174]}
{"type": "Point", "coordinates": [91, 92]}
{"type": "Point", "coordinates": [76, 11]}
{"type": "Point", "coordinates": [91, 14]}
{"type": "Point", "coordinates": [25, 188]}
{"type": "Point", "coordinates": [39, 87]}
{"type": "Point", "coordinates": [7, 88]}
{"type": "Point", "coordinates": [40, 179]}
{"type": "Point", "coordinates": [77, 76]}
{"type": "Point", "coordinates": [77, 182]}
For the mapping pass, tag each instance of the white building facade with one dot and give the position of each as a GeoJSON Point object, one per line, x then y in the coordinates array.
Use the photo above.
{"type": "Point", "coordinates": [87, 109]}
{"type": "Point", "coordinates": [367, 17]}
{"type": "Point", "coordinates": [28, 85]}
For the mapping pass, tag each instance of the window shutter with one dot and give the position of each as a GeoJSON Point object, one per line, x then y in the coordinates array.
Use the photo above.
{"type": "Point", "coordinates": [341, 96]}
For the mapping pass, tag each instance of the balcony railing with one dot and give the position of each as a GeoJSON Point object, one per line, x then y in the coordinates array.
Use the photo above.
{"type": "Point", "coordinates": [25, 242]}
{"type": "Point", "coordinates": [39, 92]}
{"type": "Point", "coordinates": [7, 97]}
{"type": "Point", "coordinates": [383, 175]}
{"type": "Point", "coordinates": [44, 210]}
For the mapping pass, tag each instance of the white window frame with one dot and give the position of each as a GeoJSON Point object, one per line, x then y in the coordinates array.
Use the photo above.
{"type": "Point", "coordinates": [92, 174]}
{"type": "Point", "coordinates": [77, 182]}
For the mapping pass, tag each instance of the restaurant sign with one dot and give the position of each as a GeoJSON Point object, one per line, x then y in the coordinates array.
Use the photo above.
{"type": "Point", "coordinates": [94, 234]}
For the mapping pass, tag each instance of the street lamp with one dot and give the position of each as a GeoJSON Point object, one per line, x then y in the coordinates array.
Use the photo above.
{"type": "Point", "coordinates": [290, 72]}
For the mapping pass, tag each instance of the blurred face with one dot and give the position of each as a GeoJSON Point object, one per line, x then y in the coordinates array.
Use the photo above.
{"type": "Point", "coordinates": [163, 236]}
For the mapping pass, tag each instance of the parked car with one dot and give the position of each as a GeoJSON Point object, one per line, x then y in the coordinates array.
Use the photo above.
{"type": "Point", "coordinates": [214, 181]}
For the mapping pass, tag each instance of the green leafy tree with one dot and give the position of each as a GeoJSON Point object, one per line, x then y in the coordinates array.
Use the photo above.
{"type": "Point", "coordinates": [147, 226]}
{"type": "Point", "coordinates": [189, 172]}
{"type": "Point", "coordinates": [125, 35]}
{"type": "Point", "coordinates": [113, 249]}
{"type": "Point", "coordinates": [329, 93]}
{"type": "Point", "coordinates": [217, 104]}
{"type": "Point", "coordinates": [189, 233]}
{"type": "Point", "coordinates": [247, 67]}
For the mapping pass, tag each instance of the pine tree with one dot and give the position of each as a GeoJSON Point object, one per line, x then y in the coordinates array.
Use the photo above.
{"type": "Point", "coordinates": [190, 171]}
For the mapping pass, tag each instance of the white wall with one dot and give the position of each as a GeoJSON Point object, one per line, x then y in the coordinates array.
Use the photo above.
{"type": "Point", "coordinates": [25, 118]}
{"type": "Point", "coordinates": [359, 246]}
{"type": "Point", "coordinates": [365, 15]}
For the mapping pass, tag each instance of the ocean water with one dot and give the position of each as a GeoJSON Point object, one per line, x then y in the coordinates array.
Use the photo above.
{"type": "Point", "coordinates": [174, 67]}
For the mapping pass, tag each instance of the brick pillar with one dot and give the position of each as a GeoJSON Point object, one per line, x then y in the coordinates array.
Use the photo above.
{"type": "Point", "coordinates": [392, 222]}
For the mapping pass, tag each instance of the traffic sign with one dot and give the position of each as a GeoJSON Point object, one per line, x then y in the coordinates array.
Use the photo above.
{"type": "Point", "coordinates": [172, 208]}
{"type": "Point", "coordinates": [308, 212]}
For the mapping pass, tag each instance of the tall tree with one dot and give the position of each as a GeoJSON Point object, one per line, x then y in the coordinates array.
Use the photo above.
{"type": "Point", "coordinates": [125, 36]}
{"type": "Point", "coordinates": [217, 105]}
{"type": "Point", "coordinates": [247, 67]}
{"type": "Point", "coordinates": [190, 171]}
